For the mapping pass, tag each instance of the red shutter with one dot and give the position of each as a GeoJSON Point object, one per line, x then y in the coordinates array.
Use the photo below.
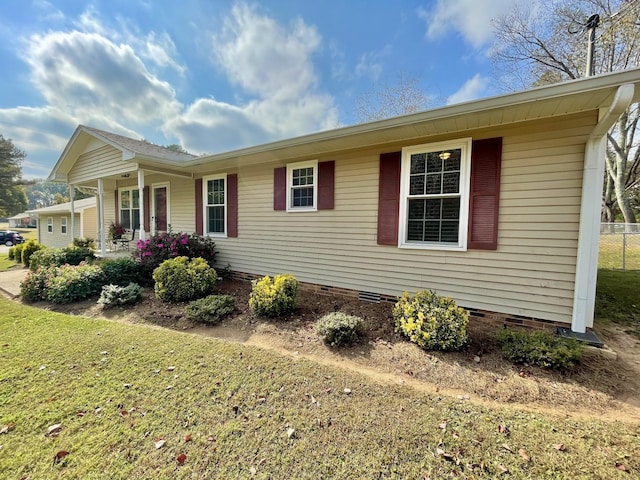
{"type": "Point", "coordinates": [326, 180]}
{"type": "Point", "coordinates": [199, 226]}
{"type": "Point", "coordinates": [280, 188]}
{"type": "Point", "coordinates": [389, 198]}
{"type": "Point", "coordinates": [232, 205]}
{"type": "Point", "coordinates": [484, 194]}
{"type": "Point", "coordinates": [146, 199]}
{"type": "Point", "coordinates": [116, 199]}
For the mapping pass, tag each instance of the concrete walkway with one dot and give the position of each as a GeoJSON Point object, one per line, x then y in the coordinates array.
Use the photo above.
{"type": "Point", "coordinates": [10, 281]}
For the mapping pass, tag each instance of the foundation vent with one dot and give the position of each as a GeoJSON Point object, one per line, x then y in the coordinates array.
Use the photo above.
{"type": "Point", "coordinates": [369, 297]}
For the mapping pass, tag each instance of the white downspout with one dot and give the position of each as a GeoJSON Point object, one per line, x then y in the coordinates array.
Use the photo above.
{"type": "Point", "coordinates": [72, 191]}
{"type": "Point", "coordinates": [103, 240]}
{"type": "Point", "coordinates": [584, 296]}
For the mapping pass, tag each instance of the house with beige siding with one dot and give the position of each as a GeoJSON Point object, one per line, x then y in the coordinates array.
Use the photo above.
{"type": "Point", "coordinates": [55, 227]}
{"type": "Point", "coordinates": [494, 202]}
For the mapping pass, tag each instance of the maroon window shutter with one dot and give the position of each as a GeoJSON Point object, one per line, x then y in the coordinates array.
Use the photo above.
{"type": "Point", "coordinates": [389, 198]}
{"type": "Point", "coordinates": [484, 195]}
{"type": "Point", "coordinates": [116, 200]}
{"type": "Point", "coordinates": [326, 180]}
{"type": "Point", "coordinates": [280, 188]}
{"type": "Point", "coordinates": [146, 199]}
{"type": "Point", "coordinates": [199, 206]}
{"type": "Point", "coordinates": [232, 205]}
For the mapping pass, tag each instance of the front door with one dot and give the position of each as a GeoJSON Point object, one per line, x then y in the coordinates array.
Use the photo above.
{"type": "Point", "coordinates": [160, 218]}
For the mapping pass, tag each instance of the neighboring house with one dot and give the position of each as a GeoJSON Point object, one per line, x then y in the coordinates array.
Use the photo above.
{"type": "Point", "coordinates": [55, 226]}
{"type": "Point", "coordinates": [494, 202]}
{"type": "Point", "coordinates": [22, 220]}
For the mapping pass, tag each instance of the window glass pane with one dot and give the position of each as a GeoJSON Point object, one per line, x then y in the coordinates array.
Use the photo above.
{"type": "Point", "coordinates": [414, 230]}
{"type": "Point", "coordinates": [431, 231]}
{"type": "Point", "coordinates": [434, 184]}
{"type": "Point", "coordinates": [136, 198]}
{"type": "Point", "coordinates": [416, 186]}
{"type": "Point", "coordinates": [302, 176]}
{"type": "Point", "coordinates": [418, 163]}
{"type": "Point", "coordinates": [433, 209]}
{"type": "Point", "coordinates": [453, 163]}
{"type": "Point", "coordinates": [416, 209]}
{"type": "Point", "coordinates": [125, 199]}
{"type": "Point", "coordinates": [136, 218]}
{"type": "Point", "coordinates": [215, 219]}
{"type": "Point", "coordinates": [125, 218]}
{"type": "Point", "coordinates": [451, 208]}
{"type": "Point", "coordinates": [302, 197]}
{"type": "Point", "coordinates": [434, 162]}
{"type": "Point", "coordinates": [449, 231]}
{"type": "Point", "coordinates": [451, 182]}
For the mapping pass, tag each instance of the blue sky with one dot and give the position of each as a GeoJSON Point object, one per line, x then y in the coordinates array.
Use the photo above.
{"type": "Point", "coordinates": [218, 75]}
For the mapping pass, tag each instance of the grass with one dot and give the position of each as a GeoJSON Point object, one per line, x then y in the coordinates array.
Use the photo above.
{"type": "Point", "coordinates": [610, 252]}
{"type": "Point", "coordinates": [618, 299]}
{"type": "Point", "coordinates": [117, 389]}
{"type": "Point", "coordinates": [5, 263]}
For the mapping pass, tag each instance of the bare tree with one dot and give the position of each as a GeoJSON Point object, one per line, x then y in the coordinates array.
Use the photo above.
{"type": "Point", "coordinates": [392, 100]}
{"type": "Point", "coordinates": [547, 44]}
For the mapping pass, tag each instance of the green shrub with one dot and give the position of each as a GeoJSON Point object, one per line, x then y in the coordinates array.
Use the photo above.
{"type": "Point", "coordinates": [17, 252]}
{"type": "Point", "coordinates": [338, 328]}
{"type": "Point", "coordinates": [114, 295]}
{"type": "Point", "coordinates": [84, 243]}
{"type": "Point", "coordinates": [11, 253]}
{"type": "Point", "coordinates": [75, 255]}
{"type": "Point", "coordinates": [540, 348]}
{"type": "Point", "coordinates": [431, 321]}
{"type": "Point", "coordinates": [272, 298]}
{"type": "Point", "coordinates": [211, 309]}
{"type": "Point", "coordinates": [29, 248]}
{"type": "Point", "coordinates": [73, 283]}
{"type": "Point", "coordinates": [56, 257]}
{"type": "Point", "coordinates": [181, 278]}
{"type": "Point", "coordinates": [122, 271]}
{"type": "Point", "coordinates": [33, 287]}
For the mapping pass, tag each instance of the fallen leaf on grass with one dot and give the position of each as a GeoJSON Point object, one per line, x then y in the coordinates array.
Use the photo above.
{"type": "Point", "coordinates": [524, 455]}
{"type": "Point", "coordinates": [560, 447]}
{"type": "Point", "coordinates": [504, 430]}
{"type": "Point", "coordinates": [443, 426]}
{"type": "Point", "coordinates": [171, 368]}
{"type": "Point", "coordinates": [507, 447]}
{"type": "Point", "coordinates": [59, 456]}
{"type": "Point", "coordinates": [53, 430]}
{"type": "Point", "coordinates": [503, 470]}
{"type": "Point", "coordinates": [7, 428]}
{"type": "Point", "coordinates": [621, 467]}
{"type": "Point", "coordinates": [291, 432]}
{"type": "Point", "coordinates": [187, 437]}
{"type": "Point", "coordinates": [445, 455]}
{"type": "Point", "coordinates": [160, 443]}
{"type": "Point", "coordinates": [181, 459]}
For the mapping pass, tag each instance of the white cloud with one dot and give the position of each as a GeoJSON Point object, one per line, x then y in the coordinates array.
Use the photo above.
{"type": "Point", "coordinates": [370, 63]}
{"type": "Point", "coordinates": [473, 88]}
{"type": "Point", "coordinates": [470, 18]}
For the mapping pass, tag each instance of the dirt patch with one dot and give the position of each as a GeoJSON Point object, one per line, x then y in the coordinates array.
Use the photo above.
{"type": "Point", "coordinates": [600, 386]}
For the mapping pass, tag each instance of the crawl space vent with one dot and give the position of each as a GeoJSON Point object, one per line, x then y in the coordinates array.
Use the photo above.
{"type": "Point", "coordinates": [369, 297]}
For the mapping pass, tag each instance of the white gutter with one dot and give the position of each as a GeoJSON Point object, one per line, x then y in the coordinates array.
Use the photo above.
{"type": "Point", "coordinates": [584, 296]}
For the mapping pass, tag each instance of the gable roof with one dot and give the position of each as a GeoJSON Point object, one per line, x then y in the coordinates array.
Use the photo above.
{"type": "Point", "coordinates": [78, 206]}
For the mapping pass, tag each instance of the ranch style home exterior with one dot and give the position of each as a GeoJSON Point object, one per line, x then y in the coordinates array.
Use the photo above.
{"type": "Point", "coordinates": [54, 227]}
{"type": "Point", "coordinates": [495, 202]}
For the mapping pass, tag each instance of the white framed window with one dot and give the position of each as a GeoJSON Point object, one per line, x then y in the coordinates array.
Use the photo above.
{"type": "Point", "coordinates": [302, 186]}
{"type": "Point", "coordinates": [63, 225]}
{"type": "Point", "coordinates": [49, 224]}
{"type": "Point", "coordinates": [434, 195]}
{"type": "Point", "coordinates": [129, 205]}
{"type": "Point", "coordinates": [214, 196]}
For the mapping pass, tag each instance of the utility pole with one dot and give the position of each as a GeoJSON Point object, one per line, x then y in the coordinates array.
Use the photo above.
{"type": "Point", "coordinates": [591, 25]}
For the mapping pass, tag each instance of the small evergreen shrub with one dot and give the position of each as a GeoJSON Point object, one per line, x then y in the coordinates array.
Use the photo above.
{"type": "Point", "coordinates": [115, 295]}
{"type": "Point", "coordinates": [75, 255]}
{"type": "Point", "coordinates": [84, 243]}
{"type": "Point", "coordinates": [211, 309]}
{"type": "Point", "coordinates": [17, 252]}
{"type": "Point", "coordinates": [73, 283]}
{"type": "Point", "coordinates": [29, 248]}
{"type": "Point", "coordinates": [11, 253]}
{"type": "Point", "coordinates": [33, 287]}
{"type": "Point", "coordinates": [122, 271]}
{"type": "Point", "coordinates": [431, 321]}
{"type": "Point", "coordinates": [272, 298]}
{"type": "Point", "coordinates": [540, 348]}
{"type": "Point", "coordinates": [181, 278]}
{"type": "Point", "coordinates": [338, 328]}
{"type": "Point", "coordinates": [56, 257]}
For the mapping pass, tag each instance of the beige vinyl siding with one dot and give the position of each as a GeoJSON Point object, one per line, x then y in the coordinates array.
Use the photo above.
{"type": "Point", "coordinates": [57, 239]}
{"type": "Point", "coordinates": [531, 273]}
{"type": "Point", "coordinates": [98, 163]}
{"type": "Point", "coordinates": [89, 223]}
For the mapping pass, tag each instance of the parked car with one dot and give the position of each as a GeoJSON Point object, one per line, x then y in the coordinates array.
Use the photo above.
{"type": "Point", "coordinates": [9, 238]}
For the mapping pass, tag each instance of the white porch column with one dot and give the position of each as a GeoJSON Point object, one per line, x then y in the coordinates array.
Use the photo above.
{"type": "Point", "coordinates": [72, 191]}
{"type": "Point", "coordinates": [142, 205]}
{"type": "Point", "coordinates": [102, 235]}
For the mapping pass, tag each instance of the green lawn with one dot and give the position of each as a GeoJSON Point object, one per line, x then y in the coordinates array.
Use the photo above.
{"type": "Point", "coordinates": [610, 252]}
{"type": "Point", "coordinates": [5, 263]}
{"type": "Point", "coordinates": [242, 412]}
{"type": "Point", "coordinates": [618, 299]}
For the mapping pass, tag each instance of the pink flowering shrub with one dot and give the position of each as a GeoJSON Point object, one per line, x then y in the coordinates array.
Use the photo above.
{"type": "Point", "coordinates": [150, 253]}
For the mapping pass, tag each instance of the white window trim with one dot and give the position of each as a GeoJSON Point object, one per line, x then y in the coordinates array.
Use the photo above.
{"type": "Point", "coordinates": [465, 184]}
{"type": "Point", "coordinates": [49, 224]}
{"type": "Point", "coordinates": [130, 189]}
{"type": "Point", "coordinates": [205, 224]}
{"type": "Point", "coordinates": [290, 168]}
{"type": "Point", "coordinates": [63, 226]}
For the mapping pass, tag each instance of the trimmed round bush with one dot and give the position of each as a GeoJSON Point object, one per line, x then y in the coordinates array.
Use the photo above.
{"type": "Point", "coordinates": [17, 252]}
{"type": "Point", "coordinates": [211, 309]}
{"type": "Point", "coordinates": [116, 295]}
{"type": "Point", "coordinates": [122, 271]}
{"type": "Point", "coordinates": [34, 286]}
{"type": "Point", "coordinates": [180, 279]}
{"type": "Point", "coordinates": [29, 248]}
{"type": "Point", "coordinates": [56, 257]}
{"type": "Point", "coordinates": [431, 321]}
{"type": "Point", "coordinates": [71, 283]}
{"type": "Point", "coordinates": [272, 298]}
{"type": "Point", "coordinates": [338, 328]}
{"type": "Point", "coordinates": [11, 255]}
{"type": "Point", "coordinates": [540, 348]}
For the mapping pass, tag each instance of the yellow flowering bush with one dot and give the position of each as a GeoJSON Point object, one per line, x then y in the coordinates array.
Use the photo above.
{"type": "Point", "coordinates": [431, 321]}
{"type": "Point", "coordinates": [272, 298]}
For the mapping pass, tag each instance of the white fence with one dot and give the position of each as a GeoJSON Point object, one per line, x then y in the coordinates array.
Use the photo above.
{"type": "Point", "coordinates": [619, 246]}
